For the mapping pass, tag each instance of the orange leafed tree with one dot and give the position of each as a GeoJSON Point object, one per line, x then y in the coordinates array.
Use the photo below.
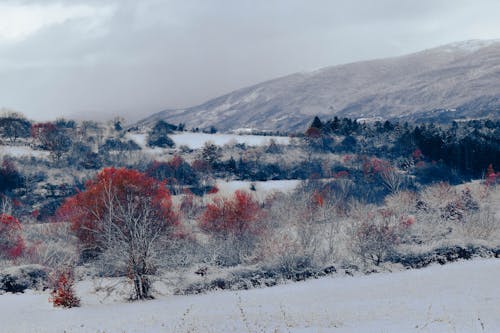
{"type": "Point", "coordinates": [125, 216]}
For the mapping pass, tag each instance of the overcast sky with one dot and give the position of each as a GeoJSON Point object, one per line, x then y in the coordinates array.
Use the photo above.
{"type": "Point", "coordinates": [97, 59]}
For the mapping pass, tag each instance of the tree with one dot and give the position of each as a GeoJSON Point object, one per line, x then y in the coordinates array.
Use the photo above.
{"type": "Point", "coordinates": [119, 146]}
{"type": "Point", "coordinates": [52, 137]}
{"type": "Point", "coordinates": [315, 137]}
{"type": "Point", "coordinates": [11, 240]}
{"type": "Point", "coordinates": [234, 221]}
{"type": "Point", "coordinates": [127, 219]}
{"type": "Point", "coordinates": [177, 172]}
{"type": "Point", "coordinates": [14, 126]}
{"type": "Point", "coordinates": [10, 177]}
{"type": "Point", "coordinates": [158, 136]}
{"type": "Point", "coordinates": [316, 123]}
{"type": "Point", "coordinates": [377, 233]}
{"type": "Point", "coordinates": [118, 124]}
{"type": "Point", "coordinates": [211, 154]}
{"type": "Point", "coordinates": [392, 179]}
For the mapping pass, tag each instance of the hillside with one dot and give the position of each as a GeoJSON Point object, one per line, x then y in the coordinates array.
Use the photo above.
{"type": "Point", "coordinates": [459, 80]}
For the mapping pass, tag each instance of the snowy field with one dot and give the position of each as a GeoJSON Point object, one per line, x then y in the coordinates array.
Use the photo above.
{"type": "Point", "coordinates": [22, 151]}
{"type": "Point", "coordinates": [459, 297]}
{"type": "Point", "coordinates": [262, 188]}
{"type": "Point", "coordinates": [198, 140]}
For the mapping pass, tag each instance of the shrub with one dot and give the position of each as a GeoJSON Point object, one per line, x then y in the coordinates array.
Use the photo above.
{"type": "Point", "coordinates": [15, 279]}
{"type": "Point", "coordinates": [235, 222]}
{"type": "Point", "coordinates": [11, 240]}
{"type": "Point", "coordinates": [63, 294]}
{"type": "Point", "coordinates": [10, 177]}
{"type": "Point", "coordinates": [378, 234]}
{"type": "Point", "coordinates": [481, 225]}
{"type": "Point", "coordinates": [50, 244]}
{"type": "Point", "coordinates": [374, 241]}
{"type": "Point", "coordinates": [236, 216]}
{"type": "Point", "coordinates": [190, 206]}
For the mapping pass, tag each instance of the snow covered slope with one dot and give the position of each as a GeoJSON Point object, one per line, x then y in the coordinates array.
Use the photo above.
{"type": "Point", "coordinates": [462, 76]}
{"type": "Point", "coordinates": [459, 297]}
{"type": "Point", "coordinates": [198, 140]}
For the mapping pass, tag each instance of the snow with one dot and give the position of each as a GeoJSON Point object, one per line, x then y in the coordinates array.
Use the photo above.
{"type": "Point", "coordinates": [21, 151]}
{"type": "Point", "coordinates": [459, 297]}
{"type": "Point", "coordinates": [198, 140]}
{"type": "Point", "coordinates": [471, 45]}
{"type": "Point", "coordinates": [369, 120]}
{"type": "Point", "coordinates": [262, 188]}
{"type": "Point", "coordinates": [139, 138]}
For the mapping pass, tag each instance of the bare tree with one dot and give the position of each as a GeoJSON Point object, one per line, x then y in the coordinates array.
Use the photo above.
{"type": "Point", "coordinates": [134, 239]}
{"type": "Point", "coordinates": [392, 179]}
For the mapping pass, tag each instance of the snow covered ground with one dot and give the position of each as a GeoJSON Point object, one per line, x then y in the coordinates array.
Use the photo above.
{"type": "Point", "coordinates": [262, 188]}
{"type": "Point", "coordinates": [198, 140]}
{"type": "Point", "coordinates": [20, 151]}
{"type": "Point", "coordinates": [459, 297]}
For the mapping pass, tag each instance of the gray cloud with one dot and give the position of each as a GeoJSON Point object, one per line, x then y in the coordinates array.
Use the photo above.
{"type": "Point", "coordinates": [137, 57]}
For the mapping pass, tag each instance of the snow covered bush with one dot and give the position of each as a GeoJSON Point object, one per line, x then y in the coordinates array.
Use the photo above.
{"type": "Point", "coordinates": [481, 225]}
{"type": "Point", "coordinates": [377, 233]}
{"type": "Point", "coordinates": [302, 230]}
{"type": "Point", "coordinates": [279, 249]}
{"type": "Point", "coordinates": [480, 219]}
{"type": "Point", "coordinates": [190, 205]}
{"type": "Point", "coordinates": [16, 279]}
{"type": "Point", "coordinates": [50, 244]}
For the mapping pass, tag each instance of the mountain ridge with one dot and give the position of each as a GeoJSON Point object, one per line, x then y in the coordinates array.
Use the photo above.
{"type": "Point", "coordinates": [440, 79]}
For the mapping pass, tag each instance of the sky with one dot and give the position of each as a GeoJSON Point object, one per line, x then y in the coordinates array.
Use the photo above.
{"type": "Point", "coordinates": [98, 59]}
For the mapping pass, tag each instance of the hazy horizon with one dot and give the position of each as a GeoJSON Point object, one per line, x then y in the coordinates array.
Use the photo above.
{"type": "Point", "coordinates": [100, 59]}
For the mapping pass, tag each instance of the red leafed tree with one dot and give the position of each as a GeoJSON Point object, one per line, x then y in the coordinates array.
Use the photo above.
{"type": "Point", "coordinates": [125, 217]}
{"type": "Point", "coordinates": [236, 220]}
{"type": "Point", "coordinates": [11, 240]}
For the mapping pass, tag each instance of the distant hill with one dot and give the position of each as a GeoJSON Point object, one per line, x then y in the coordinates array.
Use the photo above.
{"type": "Point", "coordinates": [454, 81]}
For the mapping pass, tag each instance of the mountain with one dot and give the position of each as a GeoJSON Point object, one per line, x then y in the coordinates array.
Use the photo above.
{"type": "Point", "coordinates": [459, 80]}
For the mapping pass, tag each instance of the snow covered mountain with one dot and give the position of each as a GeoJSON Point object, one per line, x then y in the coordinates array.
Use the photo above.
{"type": "Point", "coordinates": [459, 80]}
